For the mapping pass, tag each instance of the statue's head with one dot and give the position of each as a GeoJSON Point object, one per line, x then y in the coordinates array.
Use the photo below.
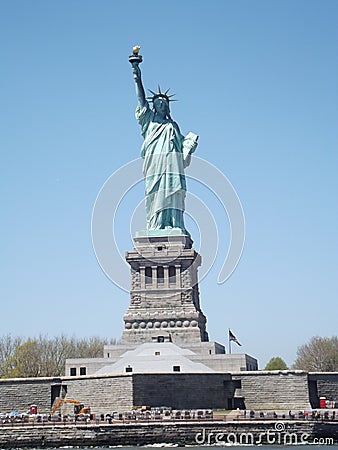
{"type": "Point", "coordinates": [161, 106]}
{"type": "Point", "coordinates": [161, 101]}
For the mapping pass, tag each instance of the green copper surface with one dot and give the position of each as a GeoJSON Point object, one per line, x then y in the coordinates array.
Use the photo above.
{"type": "Point", "coordinates": [166, 153]}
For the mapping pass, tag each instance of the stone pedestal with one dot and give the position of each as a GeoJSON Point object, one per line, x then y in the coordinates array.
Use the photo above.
{"type": "Point", "coordinates": [164, 295]}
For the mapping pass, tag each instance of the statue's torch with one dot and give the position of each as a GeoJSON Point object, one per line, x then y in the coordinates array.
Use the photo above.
{"type": "Point", "coordinates": [135, 58]}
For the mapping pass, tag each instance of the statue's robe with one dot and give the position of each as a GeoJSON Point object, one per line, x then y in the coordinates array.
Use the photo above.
{"type": "Point", "coordinates": [163, 168]}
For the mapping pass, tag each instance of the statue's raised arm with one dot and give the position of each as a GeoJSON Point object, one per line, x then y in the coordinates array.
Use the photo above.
{"type": "Point", "coordinates": [166, 154]}
{"type": "Point", "coordinates": [141, 97]}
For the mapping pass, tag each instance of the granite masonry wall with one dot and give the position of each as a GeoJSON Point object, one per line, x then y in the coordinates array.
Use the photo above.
{"type": "Point", "coordinates": [183, 391]}
{"type": "Point", "coordinates": [323, 384]}
{"type": "Point", "coordinates": [102, 393]}
{"type": "Point", "coordinates": [18, 394]}
{"type": "Point", "coordinates": [137, 434]}
{"type": "Point", "coordinates": [272, 390]}
{"type": "Point", "coordinates": [105, 393]}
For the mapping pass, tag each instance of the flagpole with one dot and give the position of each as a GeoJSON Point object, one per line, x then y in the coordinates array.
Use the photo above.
{"type": "Point", "coordinates": [229, 341]}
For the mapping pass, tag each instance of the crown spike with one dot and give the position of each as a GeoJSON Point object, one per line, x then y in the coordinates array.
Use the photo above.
{"type": "Point", "coordinates": [158, 94]}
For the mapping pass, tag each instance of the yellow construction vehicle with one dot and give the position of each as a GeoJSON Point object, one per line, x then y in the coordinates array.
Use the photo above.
{"type": "Point", "coordinates": [78, 408]}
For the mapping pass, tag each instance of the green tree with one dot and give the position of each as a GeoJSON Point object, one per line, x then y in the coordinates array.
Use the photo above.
{"type": "Point", "coordinates": [276, 363]}
{"type": "Point", "coordinates": [54, 353]}
{"type": "Point", "coordinates": [44, 356]}
{"type": "Point", "coordinates": [25, 362]}
{"type": "Point", "coordinates": [8, 345]}
{"type": "Point", "coordinates": [320, 354]}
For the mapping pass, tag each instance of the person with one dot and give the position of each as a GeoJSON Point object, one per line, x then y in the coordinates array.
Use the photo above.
{"type": "Point", "coordinates": [166, 154]}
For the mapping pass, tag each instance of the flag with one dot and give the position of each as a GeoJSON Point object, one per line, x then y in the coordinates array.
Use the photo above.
{"type": "Point", "coordinates": [232, 337]}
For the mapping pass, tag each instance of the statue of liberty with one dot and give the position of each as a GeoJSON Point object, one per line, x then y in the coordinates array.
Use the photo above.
{"type": "Point", "coordinates": [166, 153]}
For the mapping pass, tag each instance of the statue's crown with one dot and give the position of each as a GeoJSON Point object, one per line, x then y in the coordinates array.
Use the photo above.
{"type": "Point", "coordinates": [160, 94]}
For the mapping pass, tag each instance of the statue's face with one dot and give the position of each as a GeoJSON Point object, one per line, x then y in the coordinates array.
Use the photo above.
{"type": "Point", "coordinates": [161, 106]}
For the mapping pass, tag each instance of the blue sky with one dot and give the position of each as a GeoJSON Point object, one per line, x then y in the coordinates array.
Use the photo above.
{"type": "Point", "coordinates": [257, 80]}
